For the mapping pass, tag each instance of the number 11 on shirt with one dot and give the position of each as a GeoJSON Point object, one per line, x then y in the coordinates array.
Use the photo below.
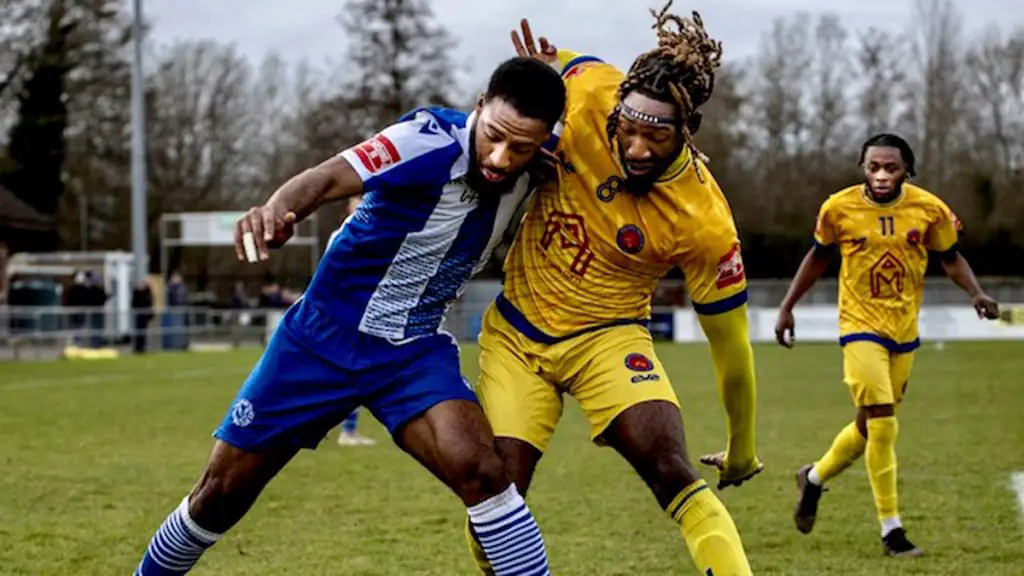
{"type": "Point", "coordinates": [888, 225]}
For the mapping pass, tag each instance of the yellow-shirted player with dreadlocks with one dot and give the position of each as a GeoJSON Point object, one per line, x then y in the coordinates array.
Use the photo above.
{"type": "Point", "coordinates": [633, 198]}
{"type": "Point", "coordinates": [884, 230]}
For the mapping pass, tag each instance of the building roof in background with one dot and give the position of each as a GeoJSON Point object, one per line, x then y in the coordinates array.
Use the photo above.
{"type": "Point", "coordinates": [18, 215]}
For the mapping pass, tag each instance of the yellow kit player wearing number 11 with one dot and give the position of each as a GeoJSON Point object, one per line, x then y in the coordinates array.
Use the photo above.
{"type": "Point", "coordinates": [883, 230]}
{"type": "Point", "coordinates": [633, 199]}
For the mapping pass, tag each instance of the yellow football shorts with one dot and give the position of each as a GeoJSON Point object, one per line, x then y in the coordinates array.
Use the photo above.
{"type": "Point", "coordinates": [522, 381]}
{"type": "Point", "coordinates": [874, 374]}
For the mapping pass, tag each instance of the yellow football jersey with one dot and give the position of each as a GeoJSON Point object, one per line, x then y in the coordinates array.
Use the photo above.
{"type": "Point", "coordinates": [884, 250]}
{"type": "Point", "coordinates": [589, 253]}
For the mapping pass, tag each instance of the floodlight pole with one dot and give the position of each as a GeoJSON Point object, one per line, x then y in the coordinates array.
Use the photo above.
{"type": "Point", "coordinates": [139, 228]}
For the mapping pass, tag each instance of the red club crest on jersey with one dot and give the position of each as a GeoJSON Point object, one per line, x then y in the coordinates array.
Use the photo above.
{"type": "Point", "coordinates": [630, 239]}
{"type": "Point", "coordinates": [730, 268]}
{"type": "Point", "coordinates": [377, 153]}
{"type": "Point", "coordinates": [639, 363]}
{"type": "Point", "coordinates": [914, 237]}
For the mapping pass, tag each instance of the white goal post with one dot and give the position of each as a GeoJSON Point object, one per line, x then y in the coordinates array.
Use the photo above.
{"type": "Point", "coordinates": [205, 229]}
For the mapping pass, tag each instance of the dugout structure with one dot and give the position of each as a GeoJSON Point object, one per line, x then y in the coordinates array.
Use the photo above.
{"type": "Point", "coordinates": [217, 229]}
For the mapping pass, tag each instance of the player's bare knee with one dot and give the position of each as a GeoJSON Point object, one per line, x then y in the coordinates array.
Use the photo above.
{"type": "Point", "coordinates": [224, 493]}
{"type": "Point", "coordinates": [479, 477]}
{"type": "Point", "coordinates": [671, 473]}
{"type": "Point", "coordinates": [520, 459]}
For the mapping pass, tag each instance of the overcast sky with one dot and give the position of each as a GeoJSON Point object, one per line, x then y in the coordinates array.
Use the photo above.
{"type": "Point", "coordinates": [617, 30]}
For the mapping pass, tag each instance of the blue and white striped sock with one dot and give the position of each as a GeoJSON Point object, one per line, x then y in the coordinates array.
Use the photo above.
{"type": "Point", "coordinates": [509, 535]}
{"type": "Point", "coordinates": [176, 546]}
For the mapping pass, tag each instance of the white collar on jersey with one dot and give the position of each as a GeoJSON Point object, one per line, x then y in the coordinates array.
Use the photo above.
{"type": "Point", "coordinates": [461, 135]}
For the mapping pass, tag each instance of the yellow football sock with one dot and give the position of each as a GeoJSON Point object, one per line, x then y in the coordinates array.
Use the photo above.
{"type": "Point", "coordinates": [880, 458]}
{"type": "Point", "coordinates": [847, 446]}
{"type": "Point", "coordinates": [709, 532]}
{"type": "Point", "coordinates": [733, 358]}
{"type": "Point", "coordinates": [477, 550]}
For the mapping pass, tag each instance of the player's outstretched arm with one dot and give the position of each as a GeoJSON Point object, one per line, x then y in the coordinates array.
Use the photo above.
{"type": "Point", "coordinates": [729, 341]}
{"type": "Point", "coordinates": [331, 180]}
{"type": "Point", "coordinates": [272, 224]}
{"type": "Point", "coordinates": [959, 271]}
{"type": "Point", "coordinates": [812, 267]}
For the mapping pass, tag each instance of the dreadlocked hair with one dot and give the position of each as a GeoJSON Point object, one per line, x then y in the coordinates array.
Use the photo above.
{"type": "Point", "coordinates": [681, 70]}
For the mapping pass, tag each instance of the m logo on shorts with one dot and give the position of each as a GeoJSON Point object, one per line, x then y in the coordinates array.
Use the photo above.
{"type": "Point", "coordinates": [377, 153]}
{"type": "Point", "coordinates": [639, 363]}
{"type": "Point", "coordinates": [242, 413]}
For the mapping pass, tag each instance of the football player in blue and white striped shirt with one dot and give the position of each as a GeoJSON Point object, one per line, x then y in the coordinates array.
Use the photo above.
{"type": "Point", "coordinates": [439, 189]}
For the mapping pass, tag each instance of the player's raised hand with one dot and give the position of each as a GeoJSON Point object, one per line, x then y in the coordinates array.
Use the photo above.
{"type": "Point", "coordinates": [260, 229]}
{"type": "Point", "coordinates": [785, 329]}
{"type": "Point", "coordinates": [729, 475]}
{"type": "Point", "coordinates": [986, 307]}
{"type": "Point", "coordinates": [525, 45]}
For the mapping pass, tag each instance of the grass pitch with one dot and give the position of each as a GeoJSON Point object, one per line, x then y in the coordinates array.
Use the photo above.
{"type": "Point", "coordinates": [94, 455]}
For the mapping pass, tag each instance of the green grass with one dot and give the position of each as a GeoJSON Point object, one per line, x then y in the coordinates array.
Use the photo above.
{"type": "Point", "coordinates": [93, 455]}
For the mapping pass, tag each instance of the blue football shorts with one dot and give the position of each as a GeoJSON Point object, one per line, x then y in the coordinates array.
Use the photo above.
{"type": "Point", "coordinates": [315, 372]}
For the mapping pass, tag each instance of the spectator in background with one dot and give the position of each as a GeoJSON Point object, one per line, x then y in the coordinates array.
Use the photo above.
{"type": "Point", "coordinates": [142, 310]}
{"type": "Point", "coordinates": [349, 436]}
{"type": "Point", "coordinates": [96, 300]}
{"type": "Point", "coordinates": [175, 318]}
{"type": "Point", "coordinates": [270, 295]}
{"type": "Point", "coordinates": [239, 299]}
{"type": "Point", "coordinates": [77, 299]}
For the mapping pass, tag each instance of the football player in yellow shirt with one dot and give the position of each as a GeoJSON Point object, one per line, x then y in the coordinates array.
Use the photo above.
{"type": "Point", "coordinates": [633, 198]}
{"type": "Point", "coordinates": [884, 230]}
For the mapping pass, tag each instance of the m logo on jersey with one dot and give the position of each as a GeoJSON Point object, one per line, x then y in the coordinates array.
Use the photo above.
{"type": "Point", "coordinates": [887, 276]}
{"type": "Point", "coordinates": [571, 234]}
{"type": "Point", "coordinates": [377, 153]}
{"type": "Point", "coordinates": [639, 363]}
{"type": "Point", "coordinates": [730, 268]}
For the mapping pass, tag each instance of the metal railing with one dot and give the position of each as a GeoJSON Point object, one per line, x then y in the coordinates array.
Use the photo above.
{"type": "Point", "coordinates": [44, 332]}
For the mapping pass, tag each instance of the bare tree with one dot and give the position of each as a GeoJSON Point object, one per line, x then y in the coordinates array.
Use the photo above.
{"type": "Point", "coordinates": [724, 136]}
{"type": "Point", "coordinates": [400, 58]}
{"type": "Point", "coordinates": [879, 69]}
{"type": "Point", "coordinates": [20, 35]}
{"type": "Point", "coordinates": [199, 122]}
{"type": "Point", "coordinates": [935, 93]}
{"type": "Point", "coordinates": [779, 116]}
{"type": "Point", "coordinates": [828, 103]}
{"type": "Point", "coordinates": [98, 135]}
{"type": "Point", "coordinates": [995, 68]}
{"type": "Point", "coordinates": [275, 139]}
